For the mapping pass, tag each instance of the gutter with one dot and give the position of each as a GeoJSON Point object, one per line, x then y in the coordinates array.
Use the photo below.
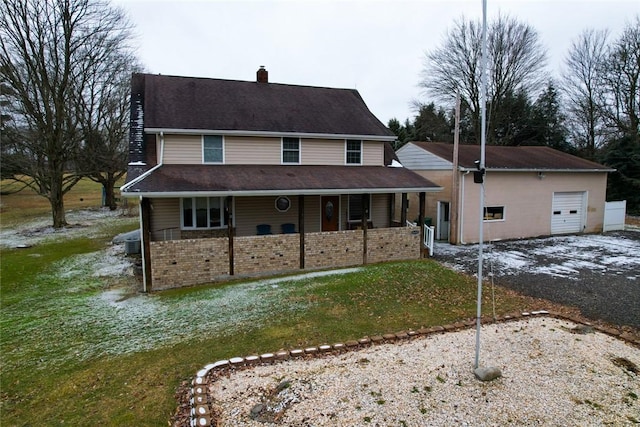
{"type": "Point", "coordinates": [302, 192]}
{"type": "Point", "coordinates": [466, 169]}
{"type": "Point", "coordinates": [268, 134]}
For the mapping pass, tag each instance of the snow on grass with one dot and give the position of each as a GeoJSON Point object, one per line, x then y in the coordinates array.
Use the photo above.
{"type": "Point", "coordinates": [80, 319]}
{"type": "Point", "coordinates": [81, 223]}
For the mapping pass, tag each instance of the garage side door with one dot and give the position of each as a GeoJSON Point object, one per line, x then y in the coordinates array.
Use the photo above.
{"type": "Point", "coordinates": [568, 212]}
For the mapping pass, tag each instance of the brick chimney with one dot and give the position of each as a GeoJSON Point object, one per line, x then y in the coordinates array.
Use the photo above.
{"type": "Point", "coordinates": [262, 75]}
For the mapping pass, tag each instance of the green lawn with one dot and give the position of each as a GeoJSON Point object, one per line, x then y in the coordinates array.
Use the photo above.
{"type": "Point", "coordinates": [84, 350]}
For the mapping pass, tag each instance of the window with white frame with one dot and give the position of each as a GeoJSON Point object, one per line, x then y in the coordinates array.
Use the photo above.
{"type": "Point", "coordinates": [212, 149]}
{"type": "Point", "coordinates": [291, 150]}
{"type": "Point", "coordinates": [354, 152]}
{"type": "Point", "coordinates": [494, 213]}
{"type": "Point", "coordinates": [356, 208]}
{"type": "Point", "coordinates": [203, 212]}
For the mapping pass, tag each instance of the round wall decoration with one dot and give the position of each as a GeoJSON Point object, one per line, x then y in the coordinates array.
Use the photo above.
{"type": "Point", "coordinates": [283, 204]}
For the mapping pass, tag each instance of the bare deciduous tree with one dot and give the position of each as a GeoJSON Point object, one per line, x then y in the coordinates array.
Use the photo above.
{"type": "Point", "coordinates": [49, 57]}
{"type": "Point", "coordinates": [583, 88]}
{"type": "Point", "coordinates": [621, 81]}
{"type": "Point", "coordinates": [516, 64]}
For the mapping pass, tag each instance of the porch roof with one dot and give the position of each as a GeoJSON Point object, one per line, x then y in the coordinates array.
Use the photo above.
{"type": "Point", "coordinates": [255, 180]}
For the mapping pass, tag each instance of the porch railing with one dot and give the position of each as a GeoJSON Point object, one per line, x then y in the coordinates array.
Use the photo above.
{"type": "Point", "coordinates": [429, 233]}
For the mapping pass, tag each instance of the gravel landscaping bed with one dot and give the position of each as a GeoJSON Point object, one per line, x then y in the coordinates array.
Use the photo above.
{"type": "Point", "coordinates": [554, 373]}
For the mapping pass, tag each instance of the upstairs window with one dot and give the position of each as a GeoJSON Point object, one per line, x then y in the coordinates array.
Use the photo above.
{"type": "Point", "coordinates": [291, 150]}
{"type": "Point", "coordinates": [203, 212]}
{"type": "Point", "coordinates": [354, 152]}
{"type": "Point", "coordinates": [212, 149]}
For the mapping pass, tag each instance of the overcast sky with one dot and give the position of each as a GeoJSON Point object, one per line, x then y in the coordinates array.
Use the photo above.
{"type": "Point", "coordinates": [376, 47]}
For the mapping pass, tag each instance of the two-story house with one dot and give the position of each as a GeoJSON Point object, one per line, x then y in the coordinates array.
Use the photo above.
{"type": "Point", "coordinates": [249, 178]}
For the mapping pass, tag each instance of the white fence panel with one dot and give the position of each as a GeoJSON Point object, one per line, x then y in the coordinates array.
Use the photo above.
{"type": "Point", "coordinates": [614, 214]}
{"type": "Point", "coordinates": [429, 234]}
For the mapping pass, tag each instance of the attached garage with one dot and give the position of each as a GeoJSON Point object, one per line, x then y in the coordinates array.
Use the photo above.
{"type": "Point", "coordinates": [568, 212]}
{"type": "Point", "coordinates": [530, 191]}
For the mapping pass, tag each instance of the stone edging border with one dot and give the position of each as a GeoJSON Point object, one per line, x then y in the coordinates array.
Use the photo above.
{"type": "Point", "coordinates": [201, 414]}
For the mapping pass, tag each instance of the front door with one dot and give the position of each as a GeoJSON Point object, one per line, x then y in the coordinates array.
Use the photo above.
{"type": "Point", "coordinates": [330, 212]}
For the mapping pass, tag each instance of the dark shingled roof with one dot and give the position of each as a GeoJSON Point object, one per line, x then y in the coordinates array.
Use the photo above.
{"type": "Point", "coordinates": [276, 179]}
{"type": "Point", "coordinates": [172, 102]}
{"type": "Point", "coordinates": [502, 157]}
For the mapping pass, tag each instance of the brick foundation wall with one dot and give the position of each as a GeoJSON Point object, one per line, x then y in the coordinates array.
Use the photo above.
{"type": "Point", "coordinates": [393, 244]}
{"type": "Point", "coordinates": [334, 249]}
{"type": "Point", "coordinates": [176, 263]}
{"type": "Point", "coordinates": [272, 253]}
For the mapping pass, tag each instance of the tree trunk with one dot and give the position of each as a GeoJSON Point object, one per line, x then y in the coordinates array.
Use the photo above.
{"type": "Point", "coordinates": [110, 194]}
{"type": "Point", "coordinates": [57, 208]}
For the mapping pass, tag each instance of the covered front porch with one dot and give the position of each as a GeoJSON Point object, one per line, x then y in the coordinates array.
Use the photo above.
{"type": "Point", "coordinates": [192, 234]}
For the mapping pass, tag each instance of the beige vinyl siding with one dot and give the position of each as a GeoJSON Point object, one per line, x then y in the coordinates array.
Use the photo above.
{"type": "Point", "coordinates": [380, 210]}
{"type": "Point", "coordinates": [372, 153]}
{"type": "Point", "coordinates": [252, 150]}
{"type": "Point", "coordinates": [183, 149]}
{"type": "Point", "coordinates": [322, 151]}
{"type": "Point", "coordinates": [251, 211]}
{"type": "Point", "coordinates": [165, 219]}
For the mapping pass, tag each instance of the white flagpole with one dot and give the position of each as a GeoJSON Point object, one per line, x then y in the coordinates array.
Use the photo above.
{"type": "Point", "coordinates": [481, 166]}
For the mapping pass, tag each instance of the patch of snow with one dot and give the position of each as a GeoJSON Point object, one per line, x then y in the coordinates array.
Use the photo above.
{"type": "Point", "coordinates": [81, 223]}
{"type": "Point", "coordinates": [395, 164]}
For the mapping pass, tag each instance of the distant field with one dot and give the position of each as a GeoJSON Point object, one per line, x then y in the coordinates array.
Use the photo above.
{"type": "Point", "coordinates": [20, 204]}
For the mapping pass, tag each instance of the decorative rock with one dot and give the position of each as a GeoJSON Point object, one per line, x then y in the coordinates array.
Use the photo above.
{"type": "Point", "coordinates": [449, 327]}
{"type": "Point", "coordinates": [199, 379]}
{"type": "Point", "coordinates": [487, 374]}
{"type": "Point", "coordinates": [297, 352]}
{"type": "Point", "coordinates": [202, 410]}
{"type": "Point", "coordinates": [200, 400]}
{"type": "Point", "coordinates": [324, 348]}
{"type": "Point", "coordinates": [389, 337]}
{"type": "Point", "coordinates": [401, 335]}
{"type": "Point", "coordinates": [199, 390]}
{"type": "Point", "coordinates": [311, 350]}
{"type": "Point", "coordinates": [365, 340]}
{"type": "Point", "coordinates": [255, 411]}
{"type": "Point", "coordinates": [338, 346]}
{"type": "Point", "coordinates": [351, 343]}
{"type": "Point", "coordinates": [267, 357]}
{"type": "Point", "coordinates": [412, 333]}
{"type": "Point", "coordinates": [252, 359]}
{"type": "Point", "coordinates": [220, 364]}
{"type": "Point", "coordinates": [282, 355]}
{"type": "Point", "coordinates": [377, 338]}
{"type": "Point", "coordinates": [437, 328]}
{"type": "Point", "coordinates": [236, 361]}
{"type": "Point", "coordinates": [203, 421]}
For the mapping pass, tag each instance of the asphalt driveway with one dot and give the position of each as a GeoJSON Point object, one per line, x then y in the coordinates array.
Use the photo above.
{"type": "Point", "coordinates": [599, 274]}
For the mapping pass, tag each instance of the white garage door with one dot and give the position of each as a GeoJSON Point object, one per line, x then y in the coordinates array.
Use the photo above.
{"type": "Point", "coordinates": [568, 212]}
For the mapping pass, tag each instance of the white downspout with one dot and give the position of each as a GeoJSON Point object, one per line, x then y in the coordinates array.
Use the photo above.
{"type": "Point", "coordinates": [461, 214]}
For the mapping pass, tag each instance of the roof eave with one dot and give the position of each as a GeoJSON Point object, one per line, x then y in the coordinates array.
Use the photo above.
{"type": "Point", "coordinates": [468, 169]}
{"type": "Point", "coordinates": [389, 138]}
{"type": "Point", "coordinates": [295, 192]}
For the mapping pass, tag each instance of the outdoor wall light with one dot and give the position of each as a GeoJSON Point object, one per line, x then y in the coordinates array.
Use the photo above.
{"type": "Point", "coordinates": [541, 175]}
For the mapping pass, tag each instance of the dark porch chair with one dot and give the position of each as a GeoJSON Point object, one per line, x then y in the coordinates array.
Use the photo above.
{"type": "Point", "coordinates": [288, 228]}
{"type": "Point", "coordinates": [263, 229]}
